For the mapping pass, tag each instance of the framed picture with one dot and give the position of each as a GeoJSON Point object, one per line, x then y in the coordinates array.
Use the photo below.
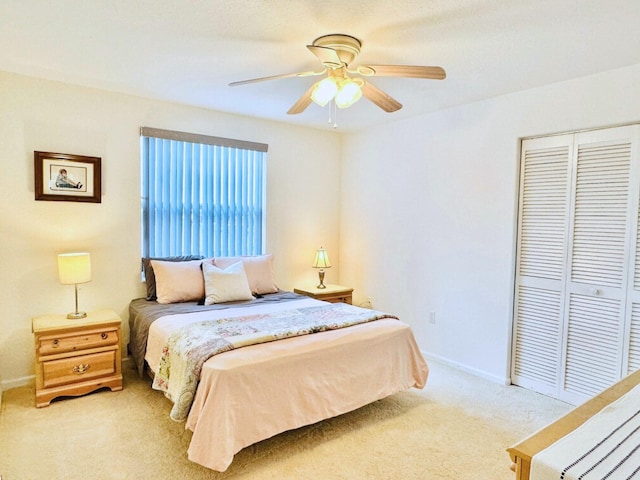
{"type": "Point", "coordinates": [67, 178]}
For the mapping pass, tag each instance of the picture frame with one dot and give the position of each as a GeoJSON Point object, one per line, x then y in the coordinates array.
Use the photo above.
{"type": "Point", "coordinates": [65, 177]}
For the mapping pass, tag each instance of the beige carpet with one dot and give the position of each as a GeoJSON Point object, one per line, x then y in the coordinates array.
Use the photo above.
{"type": "Point", "coordinates": [456, 428]}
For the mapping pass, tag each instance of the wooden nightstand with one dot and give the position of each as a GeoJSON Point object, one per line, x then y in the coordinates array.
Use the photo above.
{"type": "Point", "coordinates": [333, 293]}
{"type": "Point", "coordinates": [74, 357]}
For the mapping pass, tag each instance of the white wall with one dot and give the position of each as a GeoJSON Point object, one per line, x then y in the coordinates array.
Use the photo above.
{"type": "Point", "coordinates": [50, 116]}
{"type": "Point", "coordinates": [424, 218]}
{"type": "Point", "coordinates": [429, 211]}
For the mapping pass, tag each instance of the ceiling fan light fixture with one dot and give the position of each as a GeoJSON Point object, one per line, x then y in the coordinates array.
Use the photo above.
{"type": "Point", "coordinates": [349, 93]}
{"type": "Point", "coordinates": [324, 91]}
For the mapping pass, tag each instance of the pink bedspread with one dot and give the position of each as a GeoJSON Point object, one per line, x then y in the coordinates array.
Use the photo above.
{"type": "Point", "coordinates": [255, 392]}
{"type": "Point", "coordinates": [187, 349]}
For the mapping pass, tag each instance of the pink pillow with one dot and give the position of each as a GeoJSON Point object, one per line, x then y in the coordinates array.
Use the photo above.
{"type": "Point", "coordinates": [178, 281]}
{"type": "Point", "coordinates": [259, 271]}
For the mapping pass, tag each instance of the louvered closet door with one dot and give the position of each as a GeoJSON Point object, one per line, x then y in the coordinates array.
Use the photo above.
{"type": "Point", "coordinates": [631, 353]}
{"type": "Point", "coordinates": [541, 263]}
{"type": "Point", "coordinates": [577, 295]}
{"type": "Point", "coordinates": [604, 215]}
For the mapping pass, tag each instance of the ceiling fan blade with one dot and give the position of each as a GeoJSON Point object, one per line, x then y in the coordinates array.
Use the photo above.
{"type": "Point", "coordinates": [381, 99]}
{"type": "Point", "coordinates": [275, 77]}
{"type": "Point", "coordinates": [303, 102]}
{"type": "Point", "coordinates": [408, 71]}
{"type": "Point", "coordinates": [328, 56]}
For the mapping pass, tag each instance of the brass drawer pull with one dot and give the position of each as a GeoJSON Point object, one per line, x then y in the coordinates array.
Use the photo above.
{"type": "Point", "coordinates": [104, 336]}
{"type": "Point", "coordinates": [80, 369]}
{"type": "Point", "coordinates": [56, 343]}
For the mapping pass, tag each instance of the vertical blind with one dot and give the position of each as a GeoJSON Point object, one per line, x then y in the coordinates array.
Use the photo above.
{"type": "Point", "coordinates": [201, 195]}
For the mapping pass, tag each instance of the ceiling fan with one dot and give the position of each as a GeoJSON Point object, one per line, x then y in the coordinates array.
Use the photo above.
{"type": "Point", "coordinates": [343, 84]}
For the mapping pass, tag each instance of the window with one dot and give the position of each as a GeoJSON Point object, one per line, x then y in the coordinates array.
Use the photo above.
{"type": "Point", "coordinates": [201, 195]}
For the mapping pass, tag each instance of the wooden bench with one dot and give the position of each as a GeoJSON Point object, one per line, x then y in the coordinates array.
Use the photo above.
{"type": "Point", "coordinates": [522, 452]}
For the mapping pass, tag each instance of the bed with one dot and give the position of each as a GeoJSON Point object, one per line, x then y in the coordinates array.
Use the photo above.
{"type": "Point", "coordinates": [565, 446]}
{"type": "Point", "coordinates": [248, 394]}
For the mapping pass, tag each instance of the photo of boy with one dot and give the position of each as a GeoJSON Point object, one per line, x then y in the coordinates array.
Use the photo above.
{"type": "Point", "coordinates": [63, 180]}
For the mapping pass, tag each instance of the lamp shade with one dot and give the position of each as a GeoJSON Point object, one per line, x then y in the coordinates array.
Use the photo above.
{"type": "Point", "coordinates": [350, 92]}
{"type": "Point", "coordinates": [322, 259]}
{"type": "Point", "coordinates": [324, 91]}
{"type": "Point", "coordinates": [74, 268]}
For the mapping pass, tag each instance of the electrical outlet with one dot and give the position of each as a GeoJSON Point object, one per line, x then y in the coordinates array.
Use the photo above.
{"type": "Point", "coordinates": [432, 318]}
{"type": "Point", "coordinates": [367, 303]}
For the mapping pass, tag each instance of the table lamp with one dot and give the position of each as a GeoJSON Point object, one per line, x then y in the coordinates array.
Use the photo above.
{"type": "Point", "coordinates": [74, 268]}
{"type": "Point", "coordinates": [321, 262]}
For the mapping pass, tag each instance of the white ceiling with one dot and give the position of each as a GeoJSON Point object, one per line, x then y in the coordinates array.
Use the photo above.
{"type": "Point", "coordinates": [188, 51]}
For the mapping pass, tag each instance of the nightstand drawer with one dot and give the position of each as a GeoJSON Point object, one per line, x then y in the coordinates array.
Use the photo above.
{"type": "Point", "coordinates": [82, 367]}
{"type": "Point", "coordinates": [53, 344]}
{"type": "Point", "coordinates": [331, 293]}
{"type": "Point", "coordinates": [339, 299]}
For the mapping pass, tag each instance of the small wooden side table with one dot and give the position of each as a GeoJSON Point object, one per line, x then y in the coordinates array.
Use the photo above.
{"type": "Point", "coordinates": [74, 357]}
{"type": "Point", "coordinates": [333, 293]}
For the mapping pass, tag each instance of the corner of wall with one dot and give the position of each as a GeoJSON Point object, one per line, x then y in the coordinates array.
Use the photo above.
{"type": "Point", "coordinates": [17, 382]}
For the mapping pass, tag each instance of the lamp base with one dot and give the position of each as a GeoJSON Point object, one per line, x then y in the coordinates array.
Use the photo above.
{"type": "Point", "coordinates": [321, 276]}
{"type": "Point", "coordinates": [77, 314]}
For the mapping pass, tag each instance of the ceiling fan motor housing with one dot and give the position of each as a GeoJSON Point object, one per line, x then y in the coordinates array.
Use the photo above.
{"type": "Point", "coordinates": [346, 46]}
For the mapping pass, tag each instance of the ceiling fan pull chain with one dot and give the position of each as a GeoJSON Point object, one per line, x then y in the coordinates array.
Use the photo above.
{"type": "Point", "coordinates": [334, 114]}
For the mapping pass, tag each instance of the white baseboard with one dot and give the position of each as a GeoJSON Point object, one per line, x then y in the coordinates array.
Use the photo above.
{"type": "Point", "coordinates": [17, 382]}
{"type": "Point", "coordinates": [465, 368]}
{"type": "Point", "coordinates": [30, 379]}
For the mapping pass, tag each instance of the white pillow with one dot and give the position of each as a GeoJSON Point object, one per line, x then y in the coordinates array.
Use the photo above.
{"type": "Point", "coordinates": [259, 271]}
{"type": "Point", "coordinates": [225, 285]}
{"type": "Point", "coordinates": [178, 281]}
